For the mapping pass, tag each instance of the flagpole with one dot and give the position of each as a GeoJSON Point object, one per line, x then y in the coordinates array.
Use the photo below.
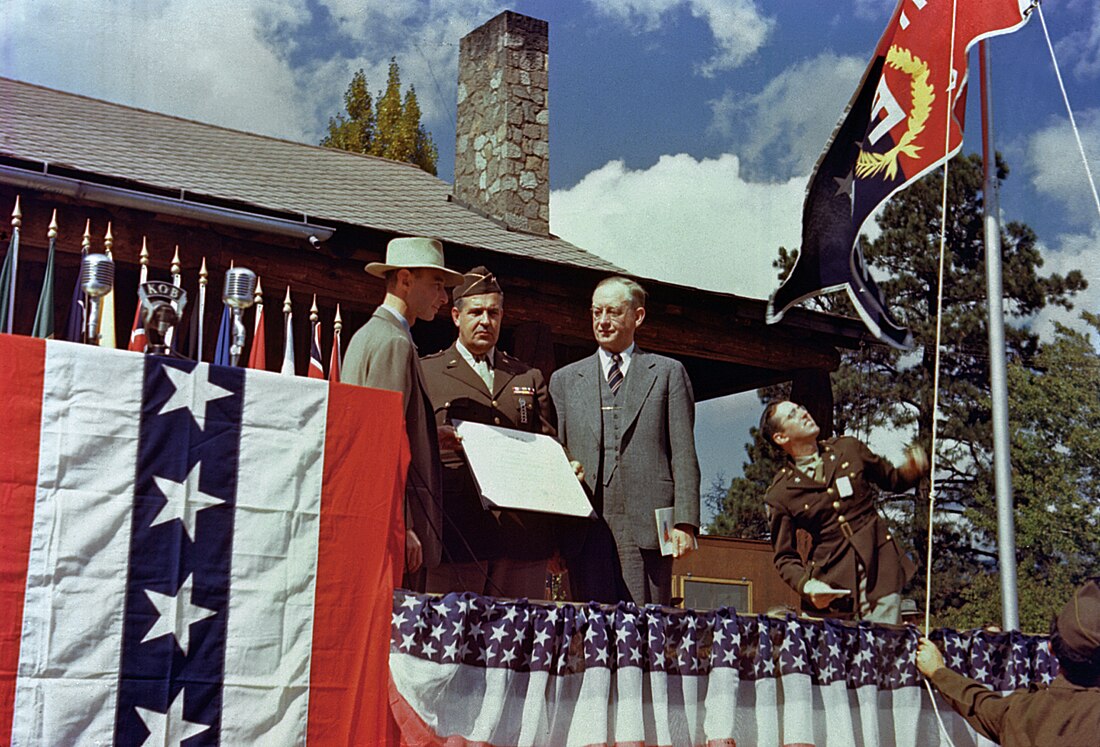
{"type": "Point", "coordinates": [998, 375]}
{"type": "Point", "coordinates": [16, 224]}
{"type": "Point", "coordinates": [203, 279]}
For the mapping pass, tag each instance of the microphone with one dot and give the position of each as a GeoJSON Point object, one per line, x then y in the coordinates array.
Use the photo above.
{"type": "Point", "coordinates": [238, 295]}
{"type": "Point", "coordinates": [162, 305]}
{"type": "Point", "coordinates": [97, 278]}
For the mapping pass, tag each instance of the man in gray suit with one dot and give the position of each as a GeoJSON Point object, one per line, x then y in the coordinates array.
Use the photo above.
{"type": "Point", "coordinates": [382, 355]}
{"type": "Point", "coordinates": [628, 416]}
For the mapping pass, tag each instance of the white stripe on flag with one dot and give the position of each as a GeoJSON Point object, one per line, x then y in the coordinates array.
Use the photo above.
{"type": "Point", "coordinates": [77, 571]}
{"type": "Point", "coordinates": [266, 691]}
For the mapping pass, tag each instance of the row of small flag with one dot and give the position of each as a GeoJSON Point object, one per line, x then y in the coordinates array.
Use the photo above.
{"type": "Point", "coordinates": [75, 324]}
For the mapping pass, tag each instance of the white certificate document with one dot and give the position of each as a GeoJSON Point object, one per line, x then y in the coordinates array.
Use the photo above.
{"type": "Point", "coordinates": [522, 471]}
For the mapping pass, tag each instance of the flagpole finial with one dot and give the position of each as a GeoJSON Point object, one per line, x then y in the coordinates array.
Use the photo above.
{"type": "Point", "coordinates": [259, 295]}
{"type": "Point", "coordinates": [176, 261]}
{"type": "Point", "coordinates": [313, 315]}
{"type": "Point", "coordinates": [52, 233]}
{"type": "Point", "coordinates": [86, 242]}
{"type": "Point", "coordinates": [286, 301]}
{"type": "Point", "coordinates": [143, 257]}
{"type": "Point", "coordinates": [17, 214]}
{"type": "Point", "coordinates": [108, 239]}
{"type": "Point", "coordinates": [203, 274]}
{"type": "Point", "coordinates": [338, 323]}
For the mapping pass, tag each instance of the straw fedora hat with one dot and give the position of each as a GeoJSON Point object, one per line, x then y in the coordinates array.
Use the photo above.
{"type": "Point", "coordinates": [414, 252]}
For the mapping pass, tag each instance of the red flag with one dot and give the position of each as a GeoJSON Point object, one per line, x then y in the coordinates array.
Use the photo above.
{"type": "Point", "coordinates": [904, 120]}
{"type": "Point", "coordinates": [257, 357]}
{"type": "Point", "coordinates": [335, 363]}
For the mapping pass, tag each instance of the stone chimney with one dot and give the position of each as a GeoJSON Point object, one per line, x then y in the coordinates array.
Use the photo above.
{"type": "Point", "coordinates": [502, 149]}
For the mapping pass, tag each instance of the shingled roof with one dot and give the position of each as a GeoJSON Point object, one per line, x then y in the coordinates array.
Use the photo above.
{"type": "Point", "coordinates": [197, 160]}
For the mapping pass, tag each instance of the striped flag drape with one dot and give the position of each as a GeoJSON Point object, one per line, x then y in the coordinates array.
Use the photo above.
{"type": "Point", "coordinates": [193, 550]}
{"type": "Point", "coordinates": [469, 670]}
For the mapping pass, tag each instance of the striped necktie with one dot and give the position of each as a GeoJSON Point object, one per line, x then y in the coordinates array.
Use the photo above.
{"type": "Point", "coordinates": [615, 374]}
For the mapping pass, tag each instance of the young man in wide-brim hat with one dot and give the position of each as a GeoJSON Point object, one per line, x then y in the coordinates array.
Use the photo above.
{"type": "Point", "coordinates": [382, 355]}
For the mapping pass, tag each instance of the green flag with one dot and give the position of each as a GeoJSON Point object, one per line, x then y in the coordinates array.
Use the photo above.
{"type": "Point", "coordinates": [7, 283]}
{"type": "Point", "coordinates": [43, 318]}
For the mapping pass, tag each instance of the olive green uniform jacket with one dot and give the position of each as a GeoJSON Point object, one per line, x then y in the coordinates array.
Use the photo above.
{"type": "Point", "coordinates": [520, 401]}
{"type": "Point", "coordinates": [1060, 715]}
{"type": "Point", "coordinates": [844, 525]}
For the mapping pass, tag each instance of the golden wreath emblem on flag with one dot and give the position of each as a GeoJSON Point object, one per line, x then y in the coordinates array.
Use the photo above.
{"type": "Point", "coordinates": [922, 95]}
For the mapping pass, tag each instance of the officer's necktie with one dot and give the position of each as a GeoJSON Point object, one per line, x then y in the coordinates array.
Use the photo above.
{"type": "Point", "coordinates": [484, 370]}
{"type": "Point", "coordinates": [615, 374]}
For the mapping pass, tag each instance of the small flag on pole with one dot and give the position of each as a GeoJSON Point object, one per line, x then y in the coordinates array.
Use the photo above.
{"type": "Point", "coordinates": [138, 340]}
{"type": "Point", "coordinates": [221, 349]}
{"type": "Point", "coordinates": [316, 369]}
{"type": "Point", "coordinates": [107, 325]}
{"type": "Point", "coordinates": [288, 336]}
{"type": "Point", "coordinates": [74, 325]}
{"type": "Point", "coordinates": [201, 311]}
{"type": "Point", "coordinates": [257, 356]}
{"type": "Point", "coordinates": [8, 273]}
{"type": "Point", "coordinates": [335, 362]}
{"type": "Point", "coordinates": [177, 280]}
{"type": "Point", "coordinates": [43, 317]}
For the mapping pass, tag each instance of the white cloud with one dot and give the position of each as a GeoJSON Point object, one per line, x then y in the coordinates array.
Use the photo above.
{"type": "Point", "coordinates": [168, 56]}
{"type": "Point", "coordinates": [1080, 251]}
{"type": "Point", "coordinates": [261, 65]}
{"type": "Point", "coordinates": [684, 221]}
{"type": "Point", "coordinates": [782, 130]}
{"type": "Point", "coordinates": [1055, 161]}
{"type": "Point", "coordinates": [739, 27]}
{"type": "Point", "coordinates": [1080, 48]}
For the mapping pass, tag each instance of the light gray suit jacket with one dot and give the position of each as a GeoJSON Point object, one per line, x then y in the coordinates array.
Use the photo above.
{"type": "Point", "coordinates": [382, 356]}
{"type": "Point", "coordinates": [657, 465]}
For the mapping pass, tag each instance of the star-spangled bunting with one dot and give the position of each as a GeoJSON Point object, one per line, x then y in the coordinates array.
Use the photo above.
{"type": "Point", "coordinates": [176, 614]}
{"type": "Point", "coordinates": [169, 729]}
{"type": "Point", "coordinates": [687, 651]}
{"type": "Point", "coordinates": [191, 393]}
{"type": "Point", "coordinates": [184, 499]}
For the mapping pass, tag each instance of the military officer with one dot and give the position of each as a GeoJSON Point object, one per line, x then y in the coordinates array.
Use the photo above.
{"type": "Point", "coordinates": [1065, 713]}
{"type": "Point", "coordinates": [855, 567]}
{"type": "Point", "coordinates": [499, 553]}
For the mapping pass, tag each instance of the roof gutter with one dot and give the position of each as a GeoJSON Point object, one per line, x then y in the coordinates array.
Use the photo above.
{"type": "Point", "coordinates": [181, 207]}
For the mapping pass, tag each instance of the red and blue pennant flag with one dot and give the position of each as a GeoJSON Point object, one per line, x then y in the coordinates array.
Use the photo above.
{"type": "Point", "coordinates": [469, 670]}
{"type": "Point", "coordinates": [905, 119]}
{"type": "Point", "coordinates": [193, 554]}
{"type": "Point", "coordinates": [316, 367]}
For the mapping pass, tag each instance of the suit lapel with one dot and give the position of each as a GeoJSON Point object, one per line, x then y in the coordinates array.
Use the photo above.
{"type": "Point", "coordinates": [639, 380]}
{"type": "Point", "coordinates": [586, 391]}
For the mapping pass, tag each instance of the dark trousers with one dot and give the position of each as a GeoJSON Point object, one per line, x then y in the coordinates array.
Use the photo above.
{"type": "Point", "coordinates": [595, 573]}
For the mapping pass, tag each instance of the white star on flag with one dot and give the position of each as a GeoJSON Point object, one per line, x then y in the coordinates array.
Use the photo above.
{"type": "Point", "coordinates": [169, 729]}
{"type": "Point", "coordinates": [185, 500]}
{"type": "Point", "coordinates": [176, 615]}
{"type": "Point", "coordinates": [192, 393]}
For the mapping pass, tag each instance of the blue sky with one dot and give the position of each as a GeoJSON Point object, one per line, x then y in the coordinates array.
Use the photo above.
{"type": "Point", "coordinates": [683, 132]}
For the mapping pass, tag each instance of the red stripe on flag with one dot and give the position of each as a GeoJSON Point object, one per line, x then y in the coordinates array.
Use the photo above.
{"type": "Point", "coordinates": [360, 557]}
{"type": "Point", "coordinates": [21, 393]}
